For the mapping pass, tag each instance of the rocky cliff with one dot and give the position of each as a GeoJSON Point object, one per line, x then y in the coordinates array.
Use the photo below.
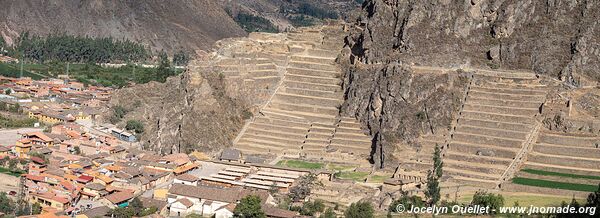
{"type": "Point", "coordinates": [556, 38]}
{"type": "Point", "coordinates": [559, 38]}
{"type": "Point", "coordinates": [189, 24]}
{"type": "Point", "coordinates": [189, 111]}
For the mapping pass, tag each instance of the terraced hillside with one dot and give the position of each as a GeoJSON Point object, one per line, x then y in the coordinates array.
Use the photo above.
{"type": "Point", "coordinates": [558, 157]}
{"type": "Point", "coordinates": [301, 118]}
{"type": "Point", "coordinates": [494, 129]}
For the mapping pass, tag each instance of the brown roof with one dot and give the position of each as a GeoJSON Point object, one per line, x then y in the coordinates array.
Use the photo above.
{"type": "Point", "coordinates": [119, 197]}
{"type": "Point", "coordinates": [229, 195]}
{"type": "Point", "coordinates": [276, 212]}
{"type": "Point", "coordinates": [187, 177]}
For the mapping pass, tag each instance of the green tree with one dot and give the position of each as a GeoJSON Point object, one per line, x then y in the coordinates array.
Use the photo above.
{"type": "Point", "coordinates": [432, 193]}
{"type": "Point", "coordinates": [328, 214]}
{"type": "Point", "coordinates": [118, 112]}
{"type": "Point", "coordinates": [180, 58]}
{"type": "Point", "coordinates": [163, 71]}
{"type": "Point", "coordinates": [12, 164]}
{"type": "Point", "coordinates": [593, 200]}
{"type": "Point", "coordinates": [406, 201]}
{"type": "Point", "coordinates": [6, 204]}
{"type": "Point", "coordinates": [119, 212]}
{"type": "Point", "coordinates": [311, 207]}
{"type": "Point", "coordinates": [485, 199]}
{"type": "Point", "coordinates": [305, 184]}
{"type": "Point", "coordinates": [361, 209]}
{"type": "Point", "coordinates": [135, 125]}
{"type": "Point", "coordinates": [7, 91]}
{"type": "Point", "coordinates": [36, 208]}
{"type": "Point", "coordinates": [77, 150]}
{"type": "Point", "coordinates": [136, 205]}
{"type": "Point", "coordinates": [249, 207]}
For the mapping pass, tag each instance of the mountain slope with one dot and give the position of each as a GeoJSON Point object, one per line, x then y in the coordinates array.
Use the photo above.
{"type": "Point", "coordinates": [189, 24]}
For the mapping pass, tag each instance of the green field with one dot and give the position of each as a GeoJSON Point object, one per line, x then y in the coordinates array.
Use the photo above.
{"type": "Point", "coordinates": [568, 175]}
{"type": "Point", "coordinates": [356, 176]}
{"type": "Point", "coordinates": [555, 185]}
{"type": "Point", "coordinates": [12, 173]}
{"type": "Point", "coordinates": [300, 164]}
{"type": "Point", "coordinates": [10, 70]}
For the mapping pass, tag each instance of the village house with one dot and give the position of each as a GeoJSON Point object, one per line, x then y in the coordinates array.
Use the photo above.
{"type": "Point", "coordinates": [204, 200]}
{"type": "Point", "coordinates": [186, 179]}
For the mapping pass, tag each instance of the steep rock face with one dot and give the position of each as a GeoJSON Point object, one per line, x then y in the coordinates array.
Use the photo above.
{"type": "Point", "coordinates": [190, 111]}
{"type": "Point", "coordinates": [189, 24]}
{"type": "Point", "coordinates": [398, 105]}
{"type": "Point", "coordinates": [559, 38]}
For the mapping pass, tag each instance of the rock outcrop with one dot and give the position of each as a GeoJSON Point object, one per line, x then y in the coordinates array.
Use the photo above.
{"type": "Point", "coordinates": [559, 38]}
{"type": "Point", "coordinates": [189, 111]}
{"type": "Point", "coordinates": [555, 38]}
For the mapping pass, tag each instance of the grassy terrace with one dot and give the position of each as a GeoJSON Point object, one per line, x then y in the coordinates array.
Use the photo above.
{"type": "Point", "coordinates": [356, 176]}
{"type": "Point", "coordinates": [554, 184]}
{"type": "Point", "coordinates": [568, 175]}
{"type": "Point", "coordinates": [300, 164]}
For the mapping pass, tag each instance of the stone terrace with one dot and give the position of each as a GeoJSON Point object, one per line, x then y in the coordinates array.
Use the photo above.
{"type": "Point", "coordinates": [494, 125]}
{"type": "Point", "coordinates": [565, 153]}
{"type": "Point", "coordinates": [302, 116]}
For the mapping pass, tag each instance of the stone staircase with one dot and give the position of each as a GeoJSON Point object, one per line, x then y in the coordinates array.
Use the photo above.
{"type": "Point", "coordinates": [302, 118]}
{"type": "Point", "coordinates": [494, 126]}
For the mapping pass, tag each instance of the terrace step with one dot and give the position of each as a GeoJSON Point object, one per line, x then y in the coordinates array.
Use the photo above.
{"type": "Point", "coordinates": [264, 73]}
{"type": "Point", "coordinates": [493, 132]}
{"type": "Point", "coordinates": [312, 66]}
{"type": "Point", "coordinates": [496, 117]}
{"type": "Point", "coordinates": [488, 169]}
{"type": "Point", "coordinates": [500, 96]}
{"type": "Point", "coordinates": [474, 149]}
{"type": "Point", "coordinates": [309, 100]}
{"type": "Point", "coordinates": [345, 130]}
{"type": "Point", "coordinates": [312, 86]}
{"type": "Point", "coordinates": [557, 139]}
{"type": "Point", "coordinates": [510, 90]}
{"type": "Point", "coordinates": [477, 158]}
{"type": "Point", "coordinates": [562, 160]}
{"type": "Point", "coordinates": [454, 172]}
{"type": "Point", "coordinates": [488, 140]}
{"type": "Point", "coordinates": [315, 93]}
{"type": "Point", "coordinates": [312, 59]}
{"type": "Point", "coordinates": [313, 79]}
{"type": "Point", "coordinates": [470, 106]}
{"type": "Point", "coordinates": [352, 136]}
{"type": "Point", "coordinates": [590, 152]}
{"type": "Point", "coordinates": [277, 133]}
{"type": "Point", "coordinates": [318, 118]}
{"type": "Point", "coordinates": [282, 115]}
{"type": "Point", "coordinates": [517, 127]}
{"type": "Point", "coordinates": [305, 108]}
{"type": "Point", "coordinates": [504, 102]}
{"type": "Point", "coordinates": [274, 139]}
{"type": "Point", "coordinates": [484, 183]}
{"type": "Point", "coordinates": [350, 142]}
{"type": "Point", "coordinates": [564, 169]}
{"type": "Point", "coordinates": [315, 73]}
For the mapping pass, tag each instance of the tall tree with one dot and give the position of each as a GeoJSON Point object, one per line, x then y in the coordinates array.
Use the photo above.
{"type": "Point", "coordinates": [249, 207]}
{"type": "Point", "coordinates": [433, 176]}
